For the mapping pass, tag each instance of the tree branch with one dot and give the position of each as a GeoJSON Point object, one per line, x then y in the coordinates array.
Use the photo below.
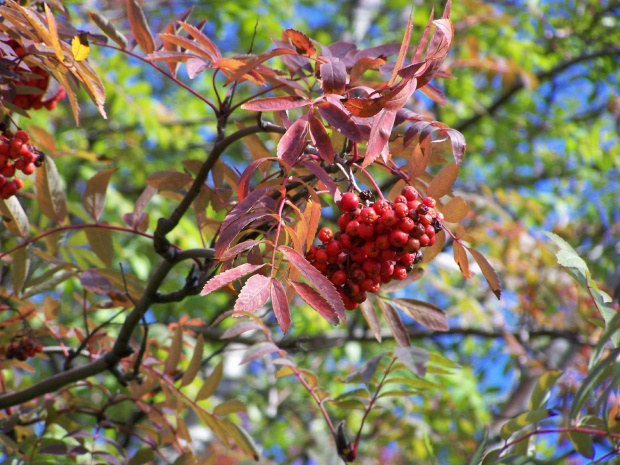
{"type": "Point", "coordinates": [541, 76]}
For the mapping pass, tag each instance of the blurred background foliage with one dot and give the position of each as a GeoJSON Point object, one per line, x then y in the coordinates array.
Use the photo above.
{"type": "Point", "coordinates": [536, 96]}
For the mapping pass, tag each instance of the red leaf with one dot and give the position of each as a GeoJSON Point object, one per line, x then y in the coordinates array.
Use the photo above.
{"type": "Point", "coordinates": [228, 277]}
{"type": "Point", "coordinates": [314, 277]}
{"type": "Point", "coordinates": [333, 77]}
{"type": "Point", "coordinates": [434, 94]}
{"type": "Point", "coordinates": [458, 144]}
{"type": "Point", "coordinates": [316, 301]}
{"type": "Point", "coordinates": [320, 173]}
{"type": "Point", "coordinates": [362, 65]}
{"type": "Point", "coordinates": [232, 230]}
{"type": "Point", "coordinates": [244, 180]}
{"type": "Point", "coordinates": [379, 135]}
{"type": "Point", "coordinates": [293, 142]}
{"type": "Point", "coordinates": [363, 107]}
{"type": "Point", "coordinates": [95, 283]}
{"type": "Point", "coordinates": [245, 205]}
{"type": "Point", "coordinates": [402, 52]}
{"type": "Point", "coordinates": [340, 121]}
{"type": "Point", "coordinates": [254, 294]}
{"type": "Point", "coordinates": [202, 39]}
{"type": "Point", "coordinates": [489, 273]}
{"type": "Point", "coordinates": [237, 249]}
{"type": "Point", "coordinates": [396, 324]}
{"type": "Point", "coordinates": [424, 40]}
{"type": "Point", "coordinates": [301, 42]}
{"type": "Point", "coordinates": [398, 97]}
{"type": "Point", "coordinates": [321, 139]}
{"type": "Point", "coordinates": [280, 305]}
{"type": "Point", "coordinates": [275, 104]}
{"type": "Point", "coordinates": [252, 64]}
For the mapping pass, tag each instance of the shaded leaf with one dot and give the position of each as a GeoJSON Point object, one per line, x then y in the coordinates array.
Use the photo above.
{"type": "Point", "coordinates": [139, 26]}
{"type": "Point", "coordinates": [320, 139]}
{"type": "Point", "coordinates": [293, 142]}
{"type": "Point", "coordinates": [95, 193]}
{"type": "Point", "coordinates": [455, 210]}
{"type": "Point", "coordinates": [212, 382]}
{"type": "Point", "coordinates": [195, 363]}
{"type": "Point", "coordinates": [14, 217]}
{"type": "Point", "coordinates": [20, 266]}
{"type": "Point", "coordinates": [174, 352]}
{"type": "Point", "coordinates": [300, 41]}
{"type": "Point", "coordinates": [413, 358]}
{"type": "Point", "coordinates": [543, 386]}
{"type": "Point", "coordinates": [230, 406]}
{"type": "Point", "coordinates": [489, 272]}
{"type": "Point", "coordinates": [241, 328]}
{"type": "Point", "coordinates": [100, 240]}
{"type": "Point", "coordinates": [50, 194]}
{"type": "Point", "coordinates": [379, 135]}
{"type": "Point", "coordinates": [583, 443]}
{"type": "Point", "coordinates": [424, 313]}
{"type": "Point", "coordinates": [168, 180]}
{"type": "Point", "coordinates": [242, 439]}
{"type": "Point", "coordinates": [443, 182]}
{"type": "Point", "coordinates": [339, 120]}
{"type": "Point", "coordinates": [523, 420]}
{"type": "Point", "coordinates": [370, 315]}
{"type": "Point", "coordinates": [395, 323]}
{"type": "Point", "coordinates": [53, 30]}
{"type": "Point", "coordinates": [260, 350]}
{"type": "Point", "coordinates": [460, 257]}
{"type": "Point", "coordinates": [109, 29]}
{"type": "Point", "coordinates": [142, 456]}
{"type": "Point", "coordinates": [316, 301]}
{"type": "Point", "coordinates": [363, 107]}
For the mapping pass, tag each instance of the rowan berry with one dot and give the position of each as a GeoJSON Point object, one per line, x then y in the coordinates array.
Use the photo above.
{"type": "Point", "coordinates": [350, 288]}
{"type": "Point", "coordinates": [406, 224]}
{"type": "Point", "coordinates": [381, 206]}
{"type": "Point", "coordinates": [400, 199]}
{"type": "Point", "coordinates": [368, 215]}
{"type": "Point", "coordinates": [398, 238]}
{"type": "Point", "coordinates": [387, 268]}
{"type": "Point", "coordinates": [431, 240]}
{"type": "Point", "coordinates": [325, 235]}
{"type": "Point", "coordinates": [366, 195]}
{"type": "Point", "coordinates": [371, 267]}
{"type": "Point", "coordinates": [22, 135]}
{"type": "Point", "coordinates": [350, 201]}
{"type": "Point", "coordinates": [366, 284]}
{"type": "Point", "coordinates": [333, 248]}
{"type": "Point", "coordinates": [410, 193]}
{"type": "Point", "coordinates": [388, 254]}
{"type": "Point", "coordinates": [366, 231]}
{"type": "Point", "coordinates": [357, 254]}
{"type": "Point", "coordinates": [352, 228]}
{"type": "Point", "coordinates": [345, 241]}
{"type": "Point", "coordinates": [425, 219]}
{"type": "Point", "coordinates": [429, 202]}
{"type": "Point", "coordinates": [401, 210]}
{"type": "Point", "coordinates": [343, 220]}
{"type": "Point", "coordinates": [424, 240]}
{"type": "Point", "coordinates": [339, 278]}
{"type": "Point", "coordinates": [429, 230]}
{"type": "Point", "coordinates": [321, 256]}
{"type": "Point", "coordinates": [371, 249]}
{"type": "Point", "coordinates": [407, 259]}
{"type": "Point", "coordinates": [412, 245]}
{"type": "Point", "coordinates": [400, 272]}
{"type": "Point", "coordinates": [383, 242]}
{"type": "Point", "coordinates": [19, 183]}
{"type": "Point", "coordinates": [436, 225]}
{"type": "Point", "coordinates": [389, 218]}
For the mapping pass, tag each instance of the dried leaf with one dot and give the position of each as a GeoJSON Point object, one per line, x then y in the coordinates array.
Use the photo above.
{"type": "Point", "coordinates": [455, 210]}
{"type": "Point", "coordinates": [228, 277]}
{"type": "Point", "coordinates": [139, 26]}
{"type": "Point", "coordinates": [443, 182]}
{"type": "Point", "coordinates": [195, 363]}
{"type": "Point", "coordinates": [95, 193]}
{"type": "Point", "coordinates": [370, 315]}
{"type": "Point", "coordinates": [50, 194]}
{"type": "Point", "coordinates": [460, 257]}
{"type": "Point", "coordinates": [280, 306]}
{"type": "Point", "coordinates": [432, 251]}
{"type": "Point", "coordinates": [20, 267]}
{"type": "Point", "coordinates": [488, 271]}
{"type": "Point", "coordinates": [53, 29]}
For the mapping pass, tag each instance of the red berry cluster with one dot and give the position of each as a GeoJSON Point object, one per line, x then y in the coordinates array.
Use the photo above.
{"type": "Point", "coordinates": [23, 349]}
{"type": "Point", "coordinates": [39, 78]}
{"type": "Point", "coordinates": [16, 155]}
{"type": "Point", "coordinates": [376, 243]}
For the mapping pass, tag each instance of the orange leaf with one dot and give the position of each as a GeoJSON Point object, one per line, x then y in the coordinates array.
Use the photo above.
{"type": "Point", "coordinates": [443, 182]}
{"type": "Point", "coordinates": [139, 26]}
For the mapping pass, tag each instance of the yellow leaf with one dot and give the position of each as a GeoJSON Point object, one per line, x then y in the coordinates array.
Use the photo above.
{"type": "Point", "coordinates": [80, 47]}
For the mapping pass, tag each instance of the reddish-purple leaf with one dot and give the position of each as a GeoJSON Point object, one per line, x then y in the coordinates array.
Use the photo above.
{"type": "Point", "coordinates": [232, 230]}
{"type": "Point", "coordinates": [260, 350]}
{"type": "Point", "coordinates": [424, 313]}
{"type": "Point", "coordinates": [434, 94]}
{"type": "Point", "coordinates": [244, 180]}
{"type": "Point", "coordinates": [404, 46]}
{"type": "Point", "coordinates": [379, 135]}
{"type": "Point", "coordinates": [396, 324]}
{"type": "Point", "coordinates": [413, 358]}
{"type": "Point", "coordinates": [168, 180]}
{"type": "Point", "coordinates": [458, 144]}
{"type": "Point", "coordinates": [333, 77]}
{"type": "Point", "coordinates": [228, 277]}
{"type": "Point", "coordinates": [424, 40]}
{"type": "Point", "coordinates": [253, 63]}
{"type": "Point", "coordinates": [58, 448]}
{"type": "Point", "coordinates": [300, 41]}
{"type": "Point", "coordinates": [364, 64]}
{"type": "Point", "coordinates": [237, 249]}
{"type": "Point", "coordinates": [275, 103]}
{"type": "Point", "coordinates": [384, 50]}
{"type": "Point", "coordinates": [316, 301]}
{"type": "Point", "coordinates": [370, 315]}
{"type": "Point", "coordinates": [245, 205]}
{"type": "Point", "coordinates": [241, 328]}
{"type": "Point", "coordinates": [139, 26]}
{"type": "Point", "coordinates": [340, 49]}
{"type": "Point", "coordinates": [488, 271]}
{"type": "Point", "coordinates": [202, 39]}
{"type": "Point", "coordinates": [314, 277]}
{"type": "Point", "coordinates": [254, 294]}
{"type": "Point", "coordinates": [320, 173]}
{"type": "Point", "coordinates": [293, 141]}
{"type": "Point", "coordinates": [95, 283]}
{"type": "Point", "coordinates": [398, 97]}
{"type": "Point", "coordinates": [339, 121]}
{"type": "Point", "coordinates": [363, 107]}
{"type": "Point", "coordinates": [95, 193]}
{"type": "Point", "coordinates": [280, 305]}
{"type": "Point", "coordinates": [195, 67]}
{"type": "Point", "coordinates": [147, 194]}
{"type": "Point", "coordinates": [321, 139]}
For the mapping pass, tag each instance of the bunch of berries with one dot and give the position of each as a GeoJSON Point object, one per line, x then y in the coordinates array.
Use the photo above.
{"type": "Point", "coordinates": [376, 243]}
{"type": "Point", "coordinates": [16, 155]}
{"type": "Point", "coordinates": [36, 78]}
{"type": "Point", "coordinates": [23, 349]}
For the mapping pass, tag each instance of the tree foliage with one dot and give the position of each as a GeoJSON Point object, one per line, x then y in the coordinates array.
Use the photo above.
{"type": "Point", "coordinates": [162, 300]}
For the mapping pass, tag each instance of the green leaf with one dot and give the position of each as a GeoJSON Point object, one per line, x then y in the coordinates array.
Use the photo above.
{"type": "Point", "coordinates": [211, 384]}
{"type": "Point", "coordinates": [242, 439]}
{"type": "Point", "coordinates": [50, 194]}
{"type": "Point", "coordinates": [142, 456]}
{"type": "Point", "coordinates": [523, 420]}
{"type": "Point", "coordinates": [21, 264]}
{"type": "Point", "coordinates": [230, 406]}
{"type": "Point", "coordinates": [477, 457]}
{"type": "Point", "coordinates": [582, 443]}
{"type": "Point", "coordinates": [543, 386]}
{"type": "Point", "coordinates": [414, 383]}
{"type": "Point", "coordinates": [14, 217]}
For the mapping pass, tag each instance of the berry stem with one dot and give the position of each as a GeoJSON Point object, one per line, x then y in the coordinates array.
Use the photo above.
{"type": "Point", "coordinates": [372, 180]}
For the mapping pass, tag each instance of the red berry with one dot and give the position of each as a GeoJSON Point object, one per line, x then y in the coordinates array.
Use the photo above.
{"type": "Point", "coordinates": [401, 210]}
{"type": "Point", "coordinates": [400, 199]}
{"type": "Point", "coordinates": [368, 215]}
{"type": "Point", "coordinates": [424, 240]}
{"type": "Point", "coordinates": [343, 220]}
{"type": "Point", "coordinates": [398, 238]}
{"type": "Point", "coordinates": [387, 267]}
{"type": "Point", "coordinates": [431, 240]}
{"type": "Point", "coordinates": [366, 284]}
{"type": "Point", "coordinates": [425, 219]}
{"type": "Point", "coordinates": [407, 259]}
{"type": "Point", "coordinates": [366, 231]}
{"type": "Point", "coordinates": [410, 193]}
{"type": "Point", "coordinates": [352, 228]}
{"type": "Point", "coordinates": [383, 242]}
{"type": "Point", "coordinates": [321, 266]}
{"type": "Point", "coordinates": [19, 183]}
{"type": "Point", "coordinates": [16, 146]}
{"type": "Point", "coordinates": [400, 272]}
{"type": "Point", "coordinates": [439, 217]}
{"type": "Point", "coordinates": [388, 254]}
{"type": "Point", "coordinates": [418, 230]}
{"type": "Point", "coordinates": [350, 288]}
{"type": "Point", "coordinates": [8, 190]}
{"type": "Point", "coordinates": [412, 245]}
{"type": "Point", "coordinates": [339, 278]}
{"type": "Point", "coordinates": [406, 224]}
{"type": "Point", "coordinates": [357, 254]}
{"type": "Point", "coordinates": [29, 157]}
{"type": "Point", "coordinates": [350, 305]}
{"type": "Point", "coordinates": [429, 230]}
{"type": "Point", "coordinates": [333, 248]}
{"type": "Point", "coordinates": [412, 205]}
{"type": "Point", "coordinates": [429, 202]}
{"type": "Point", "coordinates": [38, 348]}
{"type": "Point", "coordinates": [345, 241]}
{"type": "Point", "coordinates": [371, 267]}
{"type": "Point", "coordinates": [381, 206]}
{"type": "Point", "coordinates": [325, 235]}
{"type": "Point", "coordinates": [321, 256]}
{"type": "Point", "coordinates": [389, 218]}
{"type": "Point", "coordinates": [22, 135]}
{"type": "Point", "coordinates": [2, 180]}
{"type": "Point", "coordinates": [20, 164]}
{"type": "Point", "coordinates": [9, 170]}
{"type": "Point", "coordinates": [350, 201]}
{"type": "Point", "coordinates": [371, 249]}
